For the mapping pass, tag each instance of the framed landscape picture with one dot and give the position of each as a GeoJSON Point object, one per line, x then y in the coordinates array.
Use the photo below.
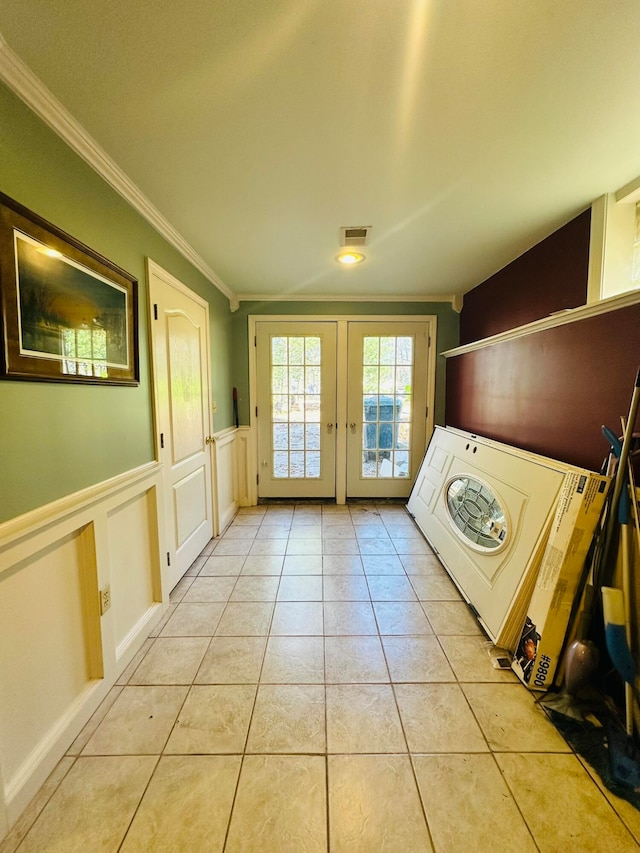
{"type": "Point", "coordinates": [68, 314]}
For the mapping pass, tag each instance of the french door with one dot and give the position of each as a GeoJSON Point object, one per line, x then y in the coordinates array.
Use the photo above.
{"type": "Point", "coordinates": [296, 376]}
{"type": "Point", "coordinates": [387, 407]}
{"type": "Point", "coordinates": [341, 406]}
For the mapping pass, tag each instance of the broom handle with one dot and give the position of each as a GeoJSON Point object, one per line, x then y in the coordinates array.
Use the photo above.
{"type": "Point", "coordinates": [626, 591]}
{"type": "Point", "coordinates": [622, 468]}
{"type": "Point", "coordinates": [634, 498]}
{"type": "Point", "coordinates": [626, 578]}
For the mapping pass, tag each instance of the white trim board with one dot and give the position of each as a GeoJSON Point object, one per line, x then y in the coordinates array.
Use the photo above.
{"type": "Point", "coordinates": [454, 299]}
{"type": "Point", "coordinates": [561, 318]}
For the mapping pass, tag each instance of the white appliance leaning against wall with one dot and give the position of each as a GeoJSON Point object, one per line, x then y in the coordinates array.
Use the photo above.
{"type": "Point", "coordinates": [486, 509]}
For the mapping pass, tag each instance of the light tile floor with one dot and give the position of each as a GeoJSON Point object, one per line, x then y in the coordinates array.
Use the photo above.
{"type": "Point", "coordinates": [318, 684]}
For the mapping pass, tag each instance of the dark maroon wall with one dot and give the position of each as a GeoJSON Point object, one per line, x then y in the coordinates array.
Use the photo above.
{"type": "Point", "coordinates": [551, 391]}
{"type": "Point", "coordinates": [550, 277]}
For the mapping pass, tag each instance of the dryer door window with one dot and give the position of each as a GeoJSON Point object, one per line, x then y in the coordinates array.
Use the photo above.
{"type": "Point", "coordinates": [477, 514]}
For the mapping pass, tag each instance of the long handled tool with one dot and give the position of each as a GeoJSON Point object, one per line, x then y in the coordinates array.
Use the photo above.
{"type": "Point", "coordinates": [582, 656]}
{"type": "Point", "coordinates": [621, 470]}
{"type": "Point", "coordinates": [235, 407]}
{"type": "Point", "coordinates": [625, 543]}
{"type": "Point", "coordinates": [616, 605]}
{"type": "Point", "coordinates": [623, 754]}
{"type": "Point", "coordinates": [633, 493]}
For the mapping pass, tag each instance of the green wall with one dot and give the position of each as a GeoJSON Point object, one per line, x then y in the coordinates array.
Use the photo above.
{"type": "Point", "coordinates": [57, 438]}
{"type": "Point", "coordinates": [447, 335]}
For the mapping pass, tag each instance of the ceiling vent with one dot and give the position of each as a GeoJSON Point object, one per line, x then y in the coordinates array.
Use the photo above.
{"type": "Point", "coordinates": [354, 235]}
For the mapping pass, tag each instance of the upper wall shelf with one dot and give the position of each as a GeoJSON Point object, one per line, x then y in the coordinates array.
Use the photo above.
{"type": "Point", "coordinates": [561, 318]}
{"type": "Point", "coordinates": [614, 266]}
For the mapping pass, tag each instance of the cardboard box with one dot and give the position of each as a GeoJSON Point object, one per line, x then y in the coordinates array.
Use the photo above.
{"type": "Point", "coordinates": [578, 510]}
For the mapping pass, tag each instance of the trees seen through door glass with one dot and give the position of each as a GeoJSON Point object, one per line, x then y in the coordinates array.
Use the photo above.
{"type": "Point", "coordinates": [295, 406]}
{"type": "Point", "coordinates": [387, 394]}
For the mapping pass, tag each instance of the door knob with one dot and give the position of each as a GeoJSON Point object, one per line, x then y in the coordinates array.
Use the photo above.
{"type": "Point", "coordinates": [352, 426]}
{"type": "Point", "coordinates": [329, 428]}
{"type": "Point", "coordinates": [210, 439]}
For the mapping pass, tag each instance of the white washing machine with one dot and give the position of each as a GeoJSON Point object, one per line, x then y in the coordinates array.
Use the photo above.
{"type": "Point", "coordinates": [486, 509]}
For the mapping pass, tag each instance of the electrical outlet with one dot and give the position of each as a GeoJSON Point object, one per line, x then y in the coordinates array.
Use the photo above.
{"type": "Point", "coordinates": [105, 599]}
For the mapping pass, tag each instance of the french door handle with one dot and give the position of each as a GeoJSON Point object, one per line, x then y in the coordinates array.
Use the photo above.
{"type": "Point", "coordinates": [329, 428]}
{"type": "Point", "coordinates": [352, 426]}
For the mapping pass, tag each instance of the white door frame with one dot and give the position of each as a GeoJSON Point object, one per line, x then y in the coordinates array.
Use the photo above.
{"type": "Point", "coordinates": [342, 321]}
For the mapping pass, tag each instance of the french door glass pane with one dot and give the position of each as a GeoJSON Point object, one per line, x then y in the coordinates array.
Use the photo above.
{"type": "Point", "coordinates": [295, 406]}
{"type": "Point", "coordinates": [387, 394]}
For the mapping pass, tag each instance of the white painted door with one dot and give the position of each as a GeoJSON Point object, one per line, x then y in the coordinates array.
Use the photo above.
{"type": "Point", "coordinates": [296, 378]}
{"type": "Point", "coordinates": [180, 346]}
{"type": "Point", "coordinates": [486, 508]}
{"type": "Point", "coordinates": [387, 406]}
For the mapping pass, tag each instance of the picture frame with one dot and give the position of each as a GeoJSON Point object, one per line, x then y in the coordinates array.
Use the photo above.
{"type": "Point", "coordinates": [67, 313]}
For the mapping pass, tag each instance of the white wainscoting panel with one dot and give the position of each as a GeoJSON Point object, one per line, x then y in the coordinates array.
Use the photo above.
{"type": "Point", "coordinates": [45, 608]}
{"type": "Point", "coordinates": [234, 474]}
{"type": "Point", "coordinates": [225, 477]}
{"type": "Point", "coordinates": [134, 592]}
{"type": "Point", "coordinates": [246, 460]}
{"type": "Point", "coordinates": [59, 656]}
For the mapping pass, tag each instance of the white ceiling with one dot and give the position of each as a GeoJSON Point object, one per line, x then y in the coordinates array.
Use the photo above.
{"type": "Point", "coordinates": [463, 131]}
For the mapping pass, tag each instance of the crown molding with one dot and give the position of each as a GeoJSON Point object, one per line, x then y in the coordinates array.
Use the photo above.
{"type": "Point", "coordinates": [457, 301]}
{"type": "Point", "coordinates": [30, 89]}
{"type": "Point", "coordinates": [452, 298]}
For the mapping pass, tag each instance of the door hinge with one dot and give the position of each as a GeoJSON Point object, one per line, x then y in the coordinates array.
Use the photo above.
{"type": "Point", "coordinates": [155, 311]}
{"type": "Point", "coordinates": [256, 411]}
{"type": "Point", "coordinates": [168, 558]}
{"type": "Point", "coordinates": [426, 413]}
{"type": "Point", "coordinates": [257, 479]}
{"type": "Point", "coordinates": [255, 340]}
{"type": "Point", "coordinates": [161, 440]}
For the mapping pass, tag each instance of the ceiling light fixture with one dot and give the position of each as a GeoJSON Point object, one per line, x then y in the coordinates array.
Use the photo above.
{"type": "Point", "coordinates": [349, 257]}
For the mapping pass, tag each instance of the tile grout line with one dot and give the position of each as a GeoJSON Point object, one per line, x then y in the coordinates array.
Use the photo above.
{"type": "Point", "coordinates": [326, 730]}
{"type": "Point", "coordinates": [4, 844]}
{"type": "Point", "coordinates": [137, 808]}
{"type": "Point", "coordinates": [616, 812]}
{"type": "Point", "coordinates": [393, 684]}
{"type": "Point", "coordinates": [255, 699]}
{"type": "Point", "coordinates": [172, 728]}
{"type": "Point", "coordinates": [243, 754]}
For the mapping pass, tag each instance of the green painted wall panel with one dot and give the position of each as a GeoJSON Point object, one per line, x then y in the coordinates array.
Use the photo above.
{"type": "Point", "coordinates": [56, 438]}
{"type": "Point", "coordinates": [447, 335]}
